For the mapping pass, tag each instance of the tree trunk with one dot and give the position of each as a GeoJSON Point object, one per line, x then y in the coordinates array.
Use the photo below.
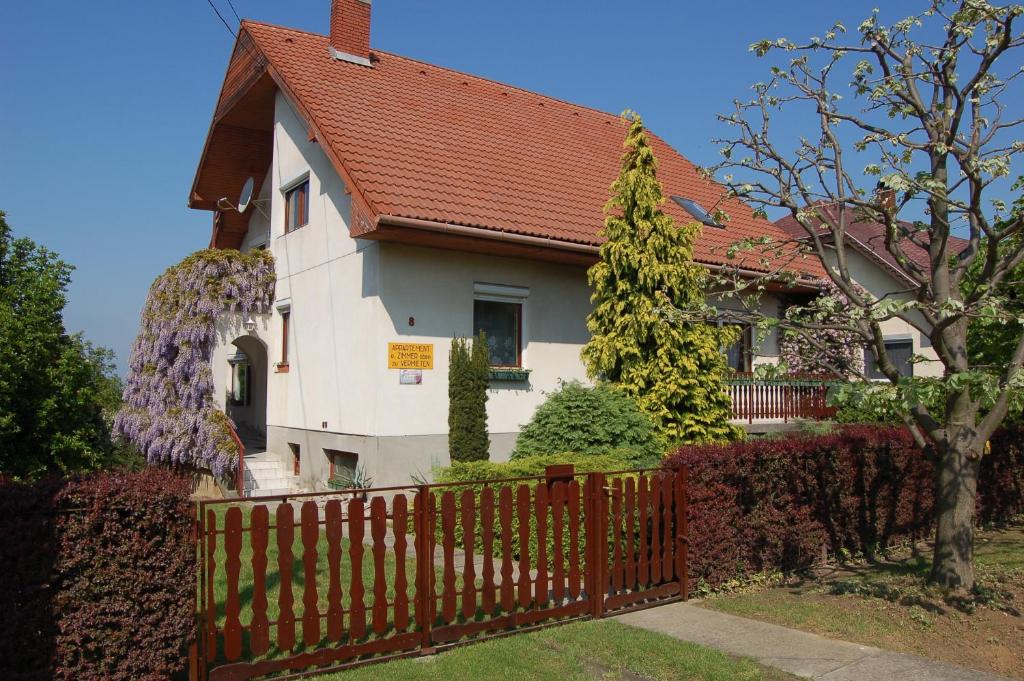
{"type": "Point", "coordinates": [956, 486]}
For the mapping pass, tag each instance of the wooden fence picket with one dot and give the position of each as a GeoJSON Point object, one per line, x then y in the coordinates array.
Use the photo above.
{"type": "Point", "coordinates": [630, 529]}
{"type": "Point", "coordinates": [285, 521]}
{"type": "Point", "coordinates": [668, 542]}
{"type": "Point", "coordinates": [575, 573]}
{"type": "Point", "coordinates": [541, 510]}
{"type": "Point", "coordinates": [211, 573]}
{"type": "Point", "coordinates": [400, 527]}
{"type": "Point", "coordinates": [448, 596]}
{"type": "Point", "coordinates": [523, 509]}
{"type": "Point", "coordinates": [259, 628]}
{"type": "Point", "coordinates": [378, 530]}
{"type": "Point", "coordinates": [618, 570]}
{"type": "Point", "coordinates": [310, 522]}
{"type": "Point", "coordinates": [232, 565]}
{"type": "Point", "coordinates": [467, 506]}
{"type": "Point", "coordinates": [557, 531]}
{"type": "Point", "coordinates": [655, 501]}
{"type": "Point", "coordinates": [643, 577]}
{"type": "Point", "coordinates": [487, 595]}
{"type": "Point", "coordinates": [333, 524]}
{"type": "Point", "coordinates": [356, 590]}
{"type": "Point", "coordinates": [507, 570]}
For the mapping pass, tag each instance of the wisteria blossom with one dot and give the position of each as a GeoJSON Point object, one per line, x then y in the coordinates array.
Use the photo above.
{"type": "Point", "coordinates": [168, 411]}
{"type": "Point", "coordinates": [836, 350]}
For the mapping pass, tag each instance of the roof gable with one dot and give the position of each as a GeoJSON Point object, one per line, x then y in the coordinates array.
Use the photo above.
{"type": "Point", "coordinates": [426, 143]}
{"type": "Point", "coordinates": [868, 237]}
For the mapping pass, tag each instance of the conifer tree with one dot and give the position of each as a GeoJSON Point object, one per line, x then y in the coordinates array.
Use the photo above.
{"type": "Point", "coordinates": [672, 369]}
{"type": "Point", "coordinates": [468, 368]}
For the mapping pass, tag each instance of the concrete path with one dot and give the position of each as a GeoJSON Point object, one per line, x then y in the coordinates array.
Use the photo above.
{"type": "Point", "coordinates": [797, 652]}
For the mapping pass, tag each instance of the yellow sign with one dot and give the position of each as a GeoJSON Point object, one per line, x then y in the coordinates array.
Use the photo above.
{"type": "Point", "coordinates": [410, 355]}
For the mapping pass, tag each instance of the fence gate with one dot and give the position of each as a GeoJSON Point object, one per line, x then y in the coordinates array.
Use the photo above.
{"type": "Point", "coordinates": [303, 584]}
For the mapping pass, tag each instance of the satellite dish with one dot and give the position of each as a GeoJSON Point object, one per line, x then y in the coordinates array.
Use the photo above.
{"type": "Point", "coordinates": [245, 198]}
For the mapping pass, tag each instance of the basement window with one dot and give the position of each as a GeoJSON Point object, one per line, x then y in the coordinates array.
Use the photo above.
{"type": "Point", "coordinates": [698, 212]}
{"type": "Point", "coordinates": [342, 467]}
{"type": "Point", "coordinates": [296, 206]}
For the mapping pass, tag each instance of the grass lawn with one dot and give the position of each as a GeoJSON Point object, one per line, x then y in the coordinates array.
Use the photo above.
{"type": "Point", "coordinates": [582, 651]}
{"type": "Point", "coordinates": [888, 604]}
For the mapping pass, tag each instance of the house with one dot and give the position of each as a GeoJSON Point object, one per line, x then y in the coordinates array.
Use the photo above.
{"type": "Point", "coordinates": [873, 266]}
{"type": "Point", "coordinates": [407, 204]}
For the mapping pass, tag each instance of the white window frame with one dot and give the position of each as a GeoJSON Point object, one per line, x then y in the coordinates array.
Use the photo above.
{"type": "Point", "coordinates": [285, 187]}
{"type": "Point", "coordinates": [504, 293]}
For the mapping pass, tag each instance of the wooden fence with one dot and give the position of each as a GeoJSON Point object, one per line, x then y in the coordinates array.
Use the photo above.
{"type": "Point", "coordinates": [309, 583]}
{"type": "Point", "coordinates": [796, 396]}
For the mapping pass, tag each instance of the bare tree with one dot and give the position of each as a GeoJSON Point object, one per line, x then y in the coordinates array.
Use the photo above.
{"type": "Point", "coordinates": [932, 127]}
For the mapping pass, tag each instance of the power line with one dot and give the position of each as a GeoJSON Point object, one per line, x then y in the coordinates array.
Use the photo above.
{"type": "Point", "coordinates": [232, 6]}
{"type": "Point", "coordinates": [221, 17]}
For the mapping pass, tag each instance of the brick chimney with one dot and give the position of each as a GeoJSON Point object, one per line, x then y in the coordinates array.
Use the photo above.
{"type": "Point", "coordinates": [885, 198]}
{"type": "Point", "coordinates": [350, 31]}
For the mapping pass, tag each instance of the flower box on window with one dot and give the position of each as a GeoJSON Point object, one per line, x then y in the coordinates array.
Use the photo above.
{"type": "Point", "coordinates": [508, 374]}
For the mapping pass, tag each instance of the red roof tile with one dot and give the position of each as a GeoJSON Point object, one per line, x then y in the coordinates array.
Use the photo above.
{"type": "Point", "coordinates": [869, 237]}
{"type": "Point", "coordinates": [420, 141]}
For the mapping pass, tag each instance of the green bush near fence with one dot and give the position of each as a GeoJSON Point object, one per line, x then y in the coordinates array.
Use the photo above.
{"type": "Point", "coordinates": [591, 421]}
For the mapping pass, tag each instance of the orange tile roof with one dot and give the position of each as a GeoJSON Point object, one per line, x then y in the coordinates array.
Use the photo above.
{"type": "Point", "coordinates": [868, 237]}
{"type": "Point", "coordinates": [420, 141]}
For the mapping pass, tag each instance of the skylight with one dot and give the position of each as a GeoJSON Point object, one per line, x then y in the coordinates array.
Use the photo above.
{"type": "Point", "coordinates": [697, 211]}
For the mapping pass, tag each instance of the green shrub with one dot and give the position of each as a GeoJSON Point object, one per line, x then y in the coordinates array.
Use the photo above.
{"type": "Point", "coordinates": [467, 399]}
{"type": "Point", "coordinates": [591, 421]}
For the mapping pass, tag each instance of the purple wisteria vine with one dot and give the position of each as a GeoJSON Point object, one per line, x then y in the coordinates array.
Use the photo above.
{"type": "Point", "coordinates": [836, 350]}
{"type": "Point", "coordinates": [168, 411]}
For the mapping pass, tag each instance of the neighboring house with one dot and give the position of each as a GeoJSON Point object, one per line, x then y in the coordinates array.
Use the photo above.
{"type": "Point", "coordinates": [409, 204]}
{"type": "Point", "coordinates": [874, 267]}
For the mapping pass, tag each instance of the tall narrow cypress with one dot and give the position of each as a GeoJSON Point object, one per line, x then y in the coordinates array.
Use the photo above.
{"type": "Point", "coordinates": [468, 368]}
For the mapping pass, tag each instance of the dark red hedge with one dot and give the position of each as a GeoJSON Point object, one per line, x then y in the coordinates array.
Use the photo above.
{"type": "Point", "coordinates": [99, 577]}
{"type": "Point", "coordinates": [769, 504]}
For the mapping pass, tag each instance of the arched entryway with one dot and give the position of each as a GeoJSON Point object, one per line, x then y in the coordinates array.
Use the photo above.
{"type": "Point", "coordinates": [247, 388]}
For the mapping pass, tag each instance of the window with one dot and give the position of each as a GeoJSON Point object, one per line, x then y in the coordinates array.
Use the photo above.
{"type": "Point", "coordinates": [296, 206]}
{"type": "Point", "coordinates": [502, 322]}
{"type": "Point", "coordinates": [899, 351]}
{"type": "Point", "coordinates": [498, 312]}
{"type": "Point", "coordinates": [286, 317]}
{"type": "Point", "coordinates": [342, 465]}
{"type": "Point", "coordinates": [240, 374]}
{"type": "Point", "coordinates": [740, 353]}
{"type": "Point", "coordinates": [697, 211]}
{"type": "Point", "coordinates": [296, 458]}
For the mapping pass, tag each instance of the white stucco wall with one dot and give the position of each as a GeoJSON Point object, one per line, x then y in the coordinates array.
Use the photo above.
{"type": "Point", "coordinates": [330, 281]}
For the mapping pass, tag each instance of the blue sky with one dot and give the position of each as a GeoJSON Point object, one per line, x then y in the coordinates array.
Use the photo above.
{"type": "Point", "coordinates": [106, 103]}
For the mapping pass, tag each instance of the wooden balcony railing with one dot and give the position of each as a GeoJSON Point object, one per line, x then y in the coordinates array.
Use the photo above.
{"type": "Point", "coordinates": [792, 396]}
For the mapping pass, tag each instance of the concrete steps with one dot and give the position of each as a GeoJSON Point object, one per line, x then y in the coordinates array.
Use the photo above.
{"type": "Point", "coordinates": [266, 476]}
